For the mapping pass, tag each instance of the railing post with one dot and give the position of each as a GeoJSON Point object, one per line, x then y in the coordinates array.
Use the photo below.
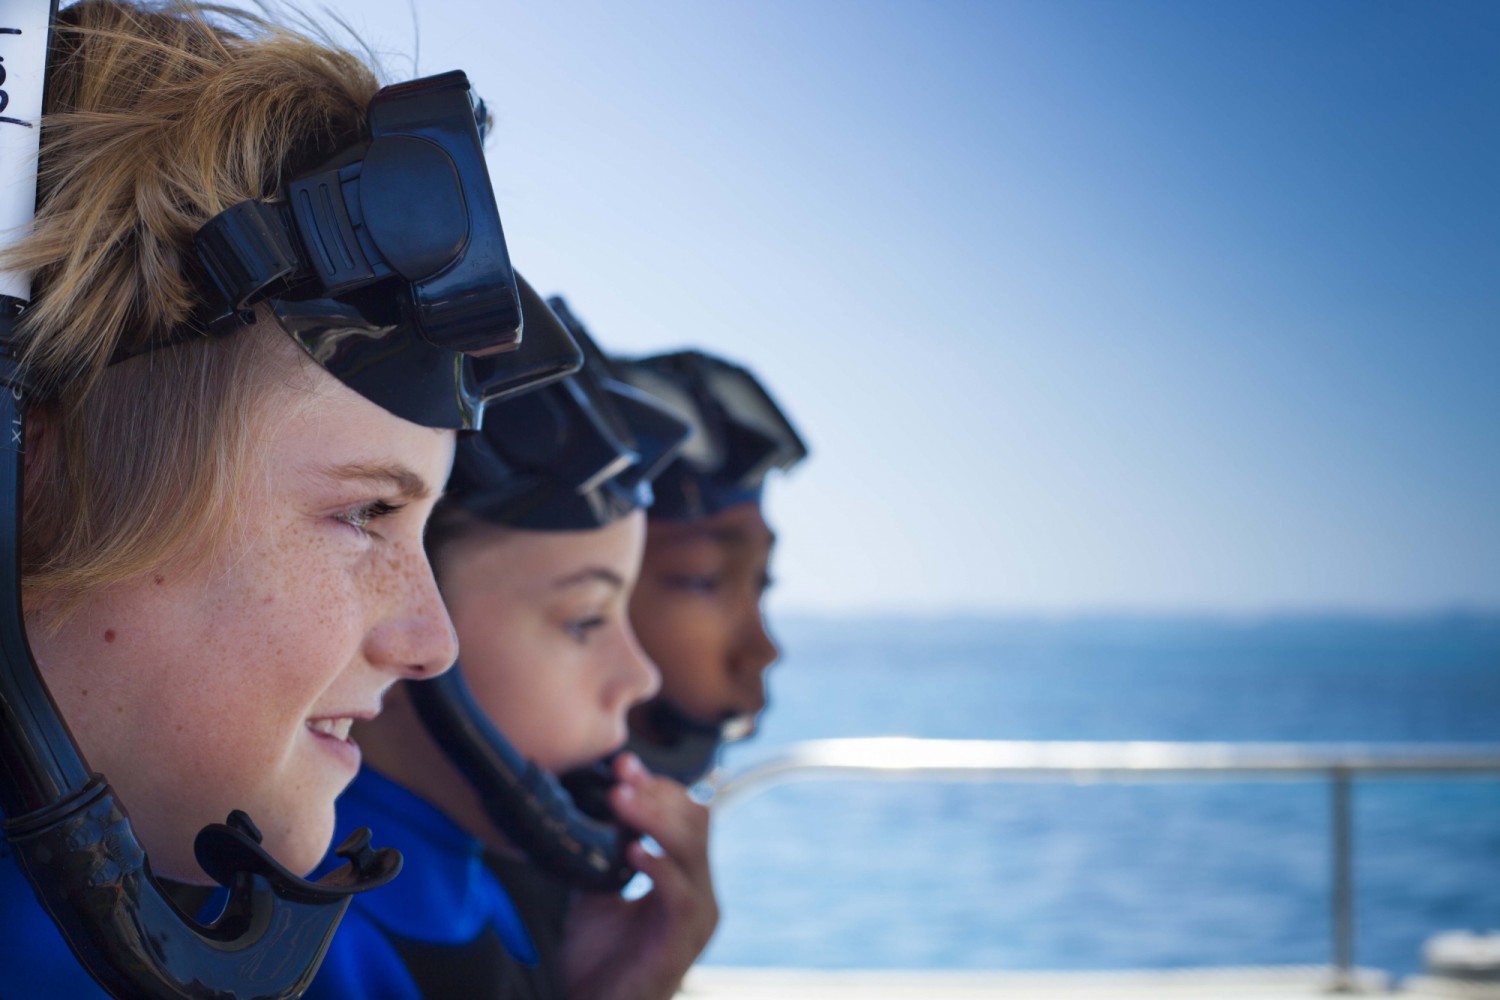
{"type": "Point", "coordinates": [1342, 823]}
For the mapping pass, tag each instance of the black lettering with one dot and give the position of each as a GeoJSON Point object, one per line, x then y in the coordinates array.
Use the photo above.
{"type": "Point", "coordinates": [4, 97]}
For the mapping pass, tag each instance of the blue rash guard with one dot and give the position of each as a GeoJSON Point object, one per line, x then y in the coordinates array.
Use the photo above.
{"type": "Point", "coordinates": [446, 926]}
{"type": "Point", "coordinates": [35, 963]}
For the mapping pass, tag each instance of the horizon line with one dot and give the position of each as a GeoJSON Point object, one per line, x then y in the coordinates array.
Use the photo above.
{"type": "Point", "coordinates": [1097, 612]}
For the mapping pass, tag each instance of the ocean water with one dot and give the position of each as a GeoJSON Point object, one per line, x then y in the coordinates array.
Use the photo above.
{"type": "Point", "coordinates": [1107, 875]}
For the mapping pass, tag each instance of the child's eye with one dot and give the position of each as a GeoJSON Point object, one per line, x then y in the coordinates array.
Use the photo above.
{"type": "Point", "coordinates": [579, 628]}
{"type": "Point", "coordinates": [695, 583]}
{"type": "Point", "coordinates": [767, 581]}
{"type": "Point", "coordinates": [360, 518]}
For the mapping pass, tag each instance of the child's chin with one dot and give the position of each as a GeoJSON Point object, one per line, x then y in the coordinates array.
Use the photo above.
{"type": "Point", "coordinates": [302, 847]}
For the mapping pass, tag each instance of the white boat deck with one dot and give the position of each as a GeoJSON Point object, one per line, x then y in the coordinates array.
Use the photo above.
{"type": "Point", "coordinates": [1280, 983]}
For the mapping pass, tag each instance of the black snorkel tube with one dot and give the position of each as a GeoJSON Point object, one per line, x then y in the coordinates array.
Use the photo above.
{"type": "Point", "coordinates": [66, 827]}
{"type": "Point", "coordinates": [525, 800]}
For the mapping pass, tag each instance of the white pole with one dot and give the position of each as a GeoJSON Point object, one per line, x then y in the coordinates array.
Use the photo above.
{"type": "Point", "coordinates": [23, 64]}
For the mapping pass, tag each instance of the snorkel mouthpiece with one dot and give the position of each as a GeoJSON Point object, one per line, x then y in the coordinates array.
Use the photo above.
{"type": "Point", "coordinates": [679, 746]}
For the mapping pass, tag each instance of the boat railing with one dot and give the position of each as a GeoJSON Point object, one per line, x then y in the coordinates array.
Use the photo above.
{"type": "Point", "coordinates": [1340, 764]}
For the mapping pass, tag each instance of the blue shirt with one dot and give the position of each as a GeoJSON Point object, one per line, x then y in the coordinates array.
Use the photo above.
{"type": "Point", "coordinates": [445, 926]}
{"type": "Point", "coordinates": [35, 962]}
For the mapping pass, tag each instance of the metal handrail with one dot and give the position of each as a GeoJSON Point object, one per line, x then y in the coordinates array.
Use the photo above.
{"type": "Point", "coordinates": [905, 758]}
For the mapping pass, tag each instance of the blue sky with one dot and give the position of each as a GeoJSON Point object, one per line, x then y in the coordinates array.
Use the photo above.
{"type": "Point", "coordinates": [1166, 306]}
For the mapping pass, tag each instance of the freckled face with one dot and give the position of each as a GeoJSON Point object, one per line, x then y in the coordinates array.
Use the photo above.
{"type": "Point", "coordinates": [230, 684]}
{"type": "Point", "coordinates": [697, 611]}
{"type": "Point", "coordinates": [546, 643]}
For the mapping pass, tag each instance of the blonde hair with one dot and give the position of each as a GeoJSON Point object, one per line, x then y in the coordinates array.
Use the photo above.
{"type": "Point", "coordinates": [158, 117]}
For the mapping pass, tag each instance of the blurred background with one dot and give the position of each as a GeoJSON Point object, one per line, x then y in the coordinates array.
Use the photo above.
{"type": "Point", "coordinates": [1148, 352]}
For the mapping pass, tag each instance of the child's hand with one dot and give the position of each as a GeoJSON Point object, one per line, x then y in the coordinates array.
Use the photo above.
{"type": "Point", "coordinates": [614, 949]}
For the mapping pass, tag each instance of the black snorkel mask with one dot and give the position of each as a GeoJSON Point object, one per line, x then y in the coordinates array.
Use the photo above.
{"type": "Point", "coordinates": [739, 436]}
{"type": "Point", "coordinates": [63, 823]}
{"type": "Point", "coordinates": [389, 266]}
{"type": "Point", "coordinates": [573, 456]}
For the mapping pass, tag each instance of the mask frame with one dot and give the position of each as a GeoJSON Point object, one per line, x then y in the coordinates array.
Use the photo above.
{"type": "Point", "coordinates": [576, 455]}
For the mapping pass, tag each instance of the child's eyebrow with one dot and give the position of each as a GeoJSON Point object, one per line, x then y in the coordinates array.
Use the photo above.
{"type": "Point", "coordinates": [723, 535]}
{"type": "Point", "coordinates": [592, 574]}
{"type": "Point", "coordinates": [406, 484]}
